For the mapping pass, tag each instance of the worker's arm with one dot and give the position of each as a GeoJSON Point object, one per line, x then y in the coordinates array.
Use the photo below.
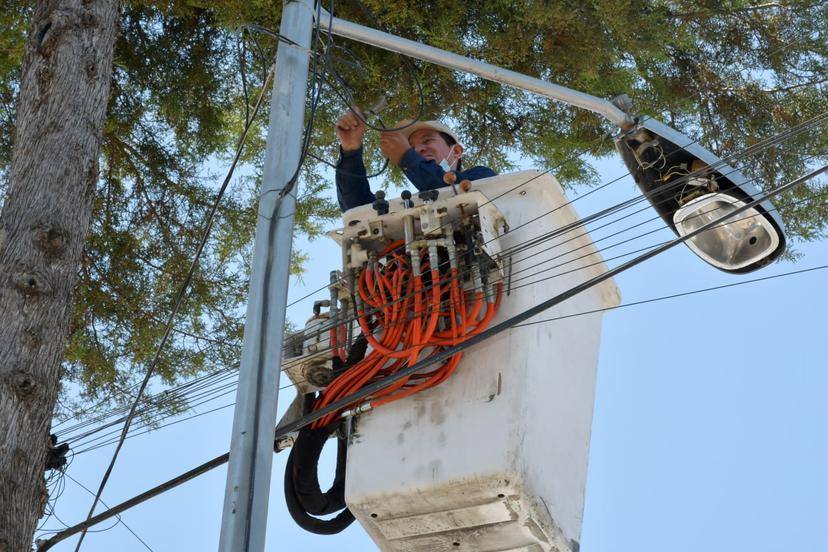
{"type": "Point", "coordinates": [352, 187]}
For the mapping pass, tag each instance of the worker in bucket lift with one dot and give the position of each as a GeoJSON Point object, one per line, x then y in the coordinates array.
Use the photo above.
{"type": "Point", "coordinates": [424, 150]}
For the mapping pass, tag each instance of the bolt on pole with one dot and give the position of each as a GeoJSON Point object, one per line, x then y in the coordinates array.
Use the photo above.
{"type": "Point", "coordinates": [244, 519]}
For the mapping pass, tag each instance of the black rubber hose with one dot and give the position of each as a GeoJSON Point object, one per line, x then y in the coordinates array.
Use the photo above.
{"type": "Point", "coordinates": [303, 495]}
{"type": "Point", "coordinates": [355, 354]}
{"type": "Point", "coordinates": [305, 520]}
{"type": "Point", "coordinates": [306, 452]}
{"type": "Point", "coordinates": [357, 351]}
{"type": "Point", "coordinates": [302, 492]}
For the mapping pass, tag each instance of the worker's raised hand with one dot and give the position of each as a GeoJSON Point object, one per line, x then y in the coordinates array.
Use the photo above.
{"type": "Point", "coordinates": [350, 130]}
{"type": "Point", "coordinates": [394, 145]}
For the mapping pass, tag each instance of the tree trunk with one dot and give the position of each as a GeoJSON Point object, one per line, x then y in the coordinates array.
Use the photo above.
{"type": "Point", "coordinates": [64, 89]}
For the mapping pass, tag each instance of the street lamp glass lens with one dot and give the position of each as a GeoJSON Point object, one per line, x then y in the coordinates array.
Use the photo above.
{"type": "Point", "coordinates": [732, 245]}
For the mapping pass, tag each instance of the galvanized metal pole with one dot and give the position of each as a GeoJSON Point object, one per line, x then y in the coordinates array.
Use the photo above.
{"type": "Point", "coordinates": [246, 495]}
{"type": "Point", "coordinates": [488, 71]}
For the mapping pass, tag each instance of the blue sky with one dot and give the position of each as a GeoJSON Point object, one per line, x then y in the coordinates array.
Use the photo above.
{"type": "Point", "coordinates": [708, 430]}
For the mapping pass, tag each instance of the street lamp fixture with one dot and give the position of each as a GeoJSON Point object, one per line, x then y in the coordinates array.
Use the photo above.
{"type": "Point", "coordinates": [689, 186]}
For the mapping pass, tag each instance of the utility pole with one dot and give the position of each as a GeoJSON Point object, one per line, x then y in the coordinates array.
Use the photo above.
{"type": "Point", "coordinates": [244, 519]}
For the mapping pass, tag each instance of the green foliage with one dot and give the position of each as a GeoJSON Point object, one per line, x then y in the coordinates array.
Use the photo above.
{"type": "Point", "coordinates": [14, 18]}
{"type": "Point", "coordinates": [173, 117]}
{"type": "Point", "coordinates": [727, 73]}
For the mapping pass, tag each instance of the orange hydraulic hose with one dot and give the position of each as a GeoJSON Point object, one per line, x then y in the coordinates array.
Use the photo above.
{"type": "Point", "coordinates": [450, 365]}
{"type": "Point", "coordinates": [435, 306]}
{"type": "Point", "coordinates": [469, 320]}
{"type": "Point", "coordinates": [491, 308]}
{"type": "Point", "coordinates": [402, 326]}
{"type": "Point", "coordinates": [334, 343]}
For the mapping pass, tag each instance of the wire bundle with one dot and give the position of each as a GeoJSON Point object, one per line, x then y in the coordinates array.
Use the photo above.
{"type": "Point", "coordinates": [408, 314]}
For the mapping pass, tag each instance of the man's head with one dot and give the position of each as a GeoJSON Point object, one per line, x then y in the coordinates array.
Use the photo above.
{"type": "Point", "coordinates": [434, 141]}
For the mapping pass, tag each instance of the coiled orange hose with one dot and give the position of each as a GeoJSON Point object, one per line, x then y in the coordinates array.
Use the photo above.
{"type": "Point", "coordinates": [402, 327]}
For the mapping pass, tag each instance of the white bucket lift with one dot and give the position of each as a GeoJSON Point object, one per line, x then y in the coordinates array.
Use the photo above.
{"type": "Point", "coordinates": [494, 458]}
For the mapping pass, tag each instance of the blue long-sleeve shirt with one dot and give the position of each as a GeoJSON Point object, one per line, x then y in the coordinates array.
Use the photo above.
{"type": "Point", "coordinates": [352, 188]}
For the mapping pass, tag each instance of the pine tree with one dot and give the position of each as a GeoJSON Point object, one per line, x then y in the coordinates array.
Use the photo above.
{"type": "Point", "coordinates": [183, 79]}
{"type": "Point", "coordinates": [64, 87]}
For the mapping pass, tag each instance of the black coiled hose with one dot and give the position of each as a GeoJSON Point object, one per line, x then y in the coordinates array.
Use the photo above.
{"type": "Point", "coordinates": [303, 495]}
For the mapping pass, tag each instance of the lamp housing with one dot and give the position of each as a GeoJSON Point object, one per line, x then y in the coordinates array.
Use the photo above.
{"type": "Point", "coordinates": [689, 186]}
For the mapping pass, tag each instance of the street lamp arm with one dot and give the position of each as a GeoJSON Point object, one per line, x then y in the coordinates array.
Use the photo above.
{"type": "Point", "coordinates": [424, 52]}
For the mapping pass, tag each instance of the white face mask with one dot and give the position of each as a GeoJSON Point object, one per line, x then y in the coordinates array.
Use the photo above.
{"type": "Point", "coordinates": [447, 162]}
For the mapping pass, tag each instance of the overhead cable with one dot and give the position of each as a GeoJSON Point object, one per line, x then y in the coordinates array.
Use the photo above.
{"type": "Point", "coordinates": [46, 544]}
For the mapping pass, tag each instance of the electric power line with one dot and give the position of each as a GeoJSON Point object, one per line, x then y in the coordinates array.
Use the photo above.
{"type": "Point", "coordinates": [536, 274]}
{"type": "Point", "coordinates": [44, 545]}
{"type": "Point", "coordinates": [555, 275]}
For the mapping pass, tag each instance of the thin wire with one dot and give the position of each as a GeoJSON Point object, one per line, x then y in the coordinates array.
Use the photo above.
{"type": "Point", "coordinates": [182, 392]}
{"type": "Point", "coordinates": [604, 249]}
{"type": "Point", "coordinates": [674, 296]}
{"type": "Point", "coordinates": [349, 173]}
{"type": "Point", "coordinates": [55, 485]}
{"type": "Point", "coordinates": [347, 98]}
{"type": "Point", "coordinates": [156, 402]}
{"type": "Point", "coordinates": [228, 389]}
{"type": "Point", "coordinates": [53, 514]}
{"type": "Point", "coordinates": [213, 393]}
{"type": "Point", "coordinates": [166, 395]}
{"type": "Point", "coordinates": [197, 415]}
{"type": "Point", "coordinates": [174, 422]}
{"type": "Point", "coordinates": [120, 519]}
{"type": "Point", "coordinates": [316, 94]}
{"type": "Point", "coordinates": [281, 38]}
{"type": "Point", "coordinates": [144, 412]}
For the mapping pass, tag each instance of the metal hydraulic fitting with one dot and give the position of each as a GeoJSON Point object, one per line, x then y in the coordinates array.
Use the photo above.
{"type": "Point", "coordinates": [364, 407]}
{"type": "Point", "coordinates": [411, 244]}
